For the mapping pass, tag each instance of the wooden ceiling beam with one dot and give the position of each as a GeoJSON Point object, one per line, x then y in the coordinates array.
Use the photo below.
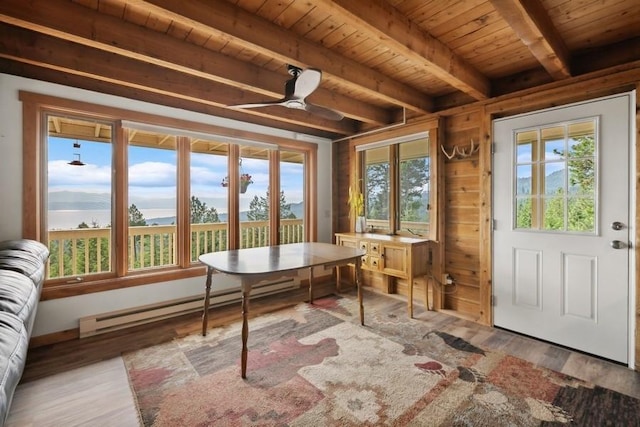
{"type": "Point", "coordinates": [228, 22]}
{"type": "Point", "coordinates": [111, 34]}
{"type": "Point", "coordinates": [68, 57]}
{"type": "Point", "coordinates": [531, 22]}
{"type": "Point", "coordinates": [385, 24]}
{"type": "Point", "coordinates": [30, 71]}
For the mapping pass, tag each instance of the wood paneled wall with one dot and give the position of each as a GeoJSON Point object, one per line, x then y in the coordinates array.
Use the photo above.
{"type": "Point", "coordinates": [467, 185]}
{"type": "Point", "coordinates": [462, 186]}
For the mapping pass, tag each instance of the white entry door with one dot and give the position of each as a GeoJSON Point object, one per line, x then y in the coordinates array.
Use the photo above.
{"type": "Point", "coordinates": [561, 232]}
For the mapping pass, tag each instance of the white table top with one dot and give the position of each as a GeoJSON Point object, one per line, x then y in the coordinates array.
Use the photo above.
{"type": "Point", "coordinates": [270, 259]}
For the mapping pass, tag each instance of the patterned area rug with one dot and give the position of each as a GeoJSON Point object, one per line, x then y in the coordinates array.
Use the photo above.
{"type": "Point", "coordinates": [314, 365]}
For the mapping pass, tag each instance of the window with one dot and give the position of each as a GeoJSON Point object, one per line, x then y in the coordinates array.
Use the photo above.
{"type": "Point", "coordinates": [125, 203]}
{"type": "Point", "coordinates": [555, 174]}
{"type": "Point", "coordinates": [79, 187]}
{"type": "Point", "coordinates": [209, 199]}
{"type": "Point", "coordinates": [377, 184]}
{"type": "Point", "coordinates": [152, 191]}
{"type": "Point", "coordinates": [292, 196]}
{"type": "Point", "coordinates": [413, 200]}
{"type": "Point", "coordinates": [396, 185]}
{"type": "Point", "coordinates": [254, 197]}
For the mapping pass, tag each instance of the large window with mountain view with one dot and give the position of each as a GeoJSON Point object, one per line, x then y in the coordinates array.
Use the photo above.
{"type": "Point", "coordinates": [209, 197]}
{"type": "Point", "coordinates": [253, 170]}
{"type": "Point", "coordinates": [131, 203]}
{"type": "Point", "coordinates": [292, 196]}
{"type": "Point", "coordinates": [396, 185]}
{"type": "Point", "coordinates": [153, 183]}
{"type": "Point", "coordinates": [556, 173]}
{"type": "Point", "coordinates": [79, 210]}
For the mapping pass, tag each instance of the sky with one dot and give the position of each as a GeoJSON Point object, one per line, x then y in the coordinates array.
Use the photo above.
{"type": "Point", "coordinates": [152, 173]}
{"type": "Point", "coordinates": [524, 158]}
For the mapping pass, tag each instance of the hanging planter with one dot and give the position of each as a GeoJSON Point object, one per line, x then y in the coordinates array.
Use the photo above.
{"type": "Point", "coordinates": [245, 180]}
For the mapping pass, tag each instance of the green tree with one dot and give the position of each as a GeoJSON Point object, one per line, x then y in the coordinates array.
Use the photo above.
{"type": "Point", "coordinates": [377, 191]}
{"type": "Point", "coordinates": [136, 219]}
{"type": "Point", "coordinates": [259, 208]}
{"type": "Point", "coordinates": [581, 164]}
{"type": "Point", "coordinates": [135, 216]}
{"type": "Point", "coordinates": [523, 218]}
{"type": "Point", "coordinates": [578, 200]}
{"type": "Point", "coordinates": [201, 214]}
{"type": "Point", "coordinates": [259, 211]}
{"type": "Point", "coordinates": [414, 175]}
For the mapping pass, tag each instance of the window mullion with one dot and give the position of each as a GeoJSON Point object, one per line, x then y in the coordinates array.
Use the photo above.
{"type": "Point", "coordinates": [121, 184]}
{"type": "Point", "coordinates": [183, 208]}
{"type": "Point", "coordinates": [274, 197]}
{"type": "Point", "coordinates": [394, 178]}
{"type": "Point", "coordinates": [233, 165]}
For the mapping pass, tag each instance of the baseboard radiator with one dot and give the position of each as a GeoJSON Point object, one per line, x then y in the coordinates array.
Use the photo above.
{"type": "Point", "coordinates": [107, 322]}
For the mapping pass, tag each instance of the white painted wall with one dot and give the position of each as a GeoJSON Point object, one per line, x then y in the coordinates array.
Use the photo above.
{"type": "Point", "coordinates": [63, 314]}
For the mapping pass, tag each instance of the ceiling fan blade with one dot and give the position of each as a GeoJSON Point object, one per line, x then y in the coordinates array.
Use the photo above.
{"type": "Point", "coordinates": [257, 104]}
{"type": "Point", "coordinates": [324, 112]}
{"type": "Point", "coordinates": [306, 83]}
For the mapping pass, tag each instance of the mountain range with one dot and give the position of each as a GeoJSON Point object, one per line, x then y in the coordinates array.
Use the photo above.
{"type": "Point", "coordinates": [79, 201]}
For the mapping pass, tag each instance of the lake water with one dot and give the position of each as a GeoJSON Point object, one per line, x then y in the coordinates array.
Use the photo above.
{"type": "Point", "coordinates": [71, 219]}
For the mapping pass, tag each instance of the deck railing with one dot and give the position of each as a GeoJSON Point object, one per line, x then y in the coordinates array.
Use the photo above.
{"type": "Point", "coordinates": [88, 250]}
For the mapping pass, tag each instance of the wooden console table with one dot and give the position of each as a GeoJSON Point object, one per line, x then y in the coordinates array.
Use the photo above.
{"type": "Point", "coordinates": [396, 256]}
{"type": "Point", "coordinates": [254, 265]}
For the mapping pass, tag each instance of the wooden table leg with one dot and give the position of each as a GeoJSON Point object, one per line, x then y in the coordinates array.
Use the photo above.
{"type": "Point", "coordinates": [205, 314]}
{"type": "Point", "coordinates": [311, 285]}
{"type": "Point", "coordinates": [410, 302]}
{"type": "Point", "coordinates": [245, 332]}
{"type": "Point", "coordinates": [426, 293]}
{"type": "Point", "coordinates": [359, 287]}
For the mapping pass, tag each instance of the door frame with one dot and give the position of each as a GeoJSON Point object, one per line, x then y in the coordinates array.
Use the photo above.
{"type": "Point", "coordinates": [633, 200]}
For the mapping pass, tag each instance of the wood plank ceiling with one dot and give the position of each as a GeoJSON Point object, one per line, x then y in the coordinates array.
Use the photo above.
{"type": "Point", "coordinates": [382, 60]}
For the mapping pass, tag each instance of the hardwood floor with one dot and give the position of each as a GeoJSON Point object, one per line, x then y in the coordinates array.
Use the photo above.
{"type": "Point", "coordinates": [83, 382]}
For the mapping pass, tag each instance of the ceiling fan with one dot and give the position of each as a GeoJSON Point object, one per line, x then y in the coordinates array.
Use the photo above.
{"type": "Point", "coordinates": [296, 90]}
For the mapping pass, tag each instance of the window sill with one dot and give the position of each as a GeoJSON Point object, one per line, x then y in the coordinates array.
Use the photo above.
{"type": "Point", "coordinates": [63, 290]}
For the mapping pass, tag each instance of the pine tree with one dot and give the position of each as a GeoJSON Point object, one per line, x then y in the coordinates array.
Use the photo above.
{"type": "Point", "coordinates": [201, 214]}
{"type": "Point", "coordinates": [136, 217]}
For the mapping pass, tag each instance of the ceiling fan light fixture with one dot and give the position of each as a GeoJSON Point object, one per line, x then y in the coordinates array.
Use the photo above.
{"type": "Point", "coordinates": [294, 103]}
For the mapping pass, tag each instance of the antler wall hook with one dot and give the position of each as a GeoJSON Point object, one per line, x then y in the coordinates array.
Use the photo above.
{"type": "Point", "coordinates": [460, 153]}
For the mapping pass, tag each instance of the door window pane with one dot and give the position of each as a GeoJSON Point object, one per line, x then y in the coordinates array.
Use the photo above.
{"type": "Point", "coordinates": [553, 142]}
{"type": "Point", "coordinates": [209, 197]}
{"type": "Point", "coordinates": [581, 214]}
{"type": "Point", "coordinates": [523, 212]}
{"type": "Point", "coordinates": [292, 197]}
{"type": "Point", "coordinates": [563, 176]}
{"type": "Point", "coordinates": [524, 153]}
{"type": "Point", "coordinates": [554, 173]}
{"type": "Point", "coordinates": [524, 180]}
{"type": "Point", "coordinates": [79, 196]}
{"type": "Point", "coordinates": [152, 199]}
{"type": "Point", "coordinates": [554, 212]}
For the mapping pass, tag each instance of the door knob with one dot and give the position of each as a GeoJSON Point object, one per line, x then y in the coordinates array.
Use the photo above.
{"type": "Point", "coordinates": [617, 244]}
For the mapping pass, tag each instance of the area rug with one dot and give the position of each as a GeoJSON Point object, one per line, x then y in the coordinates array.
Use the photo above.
{"type": "Point", "coordinates": [314, 365]}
